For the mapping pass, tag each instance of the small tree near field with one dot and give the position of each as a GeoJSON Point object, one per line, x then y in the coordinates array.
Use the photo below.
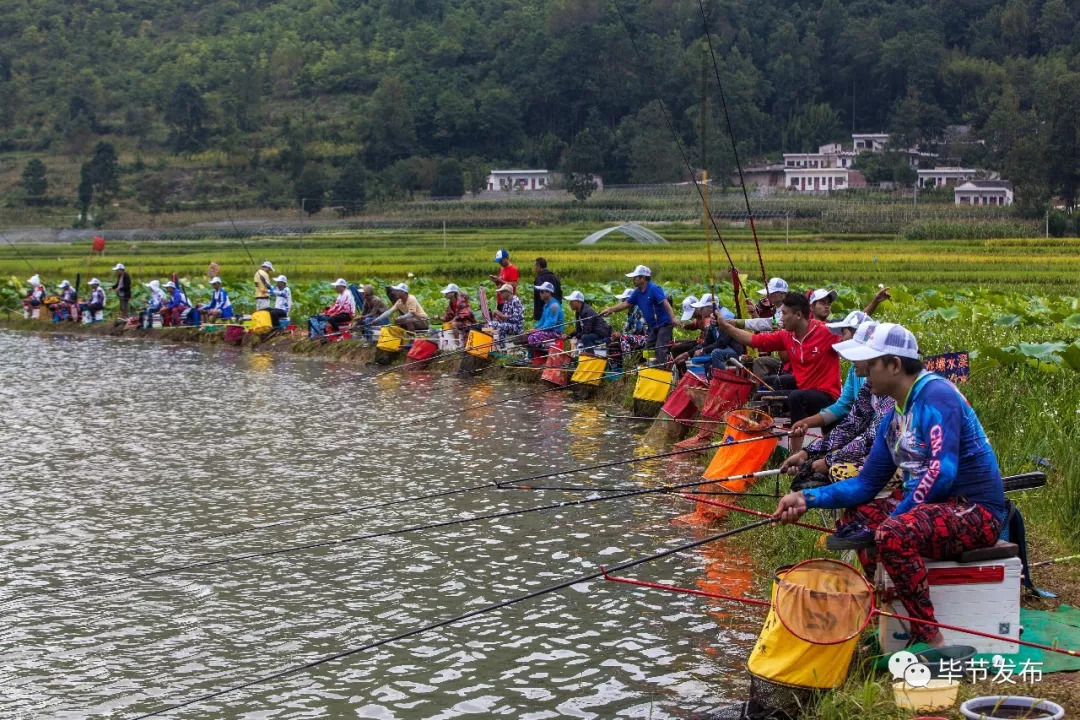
{"type": "Point", "coordinates": [34, 183]}
{"type": "Point", "coordinates": [581, 185]}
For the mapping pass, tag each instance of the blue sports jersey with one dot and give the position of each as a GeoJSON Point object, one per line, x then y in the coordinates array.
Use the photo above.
{"type": "Point", "coordinates": [937, 440]}
{"type": "Point", "coordinates": [651, 303]}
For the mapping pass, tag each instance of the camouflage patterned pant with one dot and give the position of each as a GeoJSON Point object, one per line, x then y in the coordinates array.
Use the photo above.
{"type": "Point", "coordinates": [938, 531]}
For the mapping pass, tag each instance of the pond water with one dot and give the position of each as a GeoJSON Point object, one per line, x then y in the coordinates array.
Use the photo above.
{"type": "Point", "coordinates": [122, 457]}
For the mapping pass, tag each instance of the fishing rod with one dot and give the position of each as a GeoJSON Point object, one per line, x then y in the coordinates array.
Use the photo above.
{"type": "Point", "coordinates": [456, 619]}
{"type": "Point", "coordinates": [19, 254]}
{"type": "Point", "coordinates": [674, 134]}
{"type": "Point", "coordinates": [737, 508]}
{"type": "Point", "coordinates": [734, 145]}
{"type": "Point", "coordinates": [236, 231]}
{"type": "Point", "coordinates": [170, 570]}
{"type": "Point", "coordinates": [748, 372]}
{"type": "Point", "coordinates": [638, 418]}
{"type": "Point", "coordinates": [873, 611]}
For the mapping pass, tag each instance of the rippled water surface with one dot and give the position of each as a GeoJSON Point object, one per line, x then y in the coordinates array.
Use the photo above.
{"type": "Point", "coordinates": [122, 457]}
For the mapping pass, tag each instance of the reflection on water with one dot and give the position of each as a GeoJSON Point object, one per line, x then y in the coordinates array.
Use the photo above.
{"type": "Point", "coordinates": [119, 457]}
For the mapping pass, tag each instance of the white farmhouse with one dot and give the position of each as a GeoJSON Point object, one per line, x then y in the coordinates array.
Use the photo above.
{"type": "Point", "coordinates": [944, 176]}
{"type": "Point", "coordinates": [984, 192]}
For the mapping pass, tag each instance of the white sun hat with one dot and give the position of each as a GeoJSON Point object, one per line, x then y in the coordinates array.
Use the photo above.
{"type": "Point", "coordinates": [268, 265]}
{"type": "Point", "coordinates": [400, 287]}
{"type": "Point", "coordinates": [548, 287]}
{"type": "Point", "coordinates": [215, 280]}
{"type": "Point", "coordinates": [154, 285]}
{"type": "Point", "coordinates": [451, 288]}
{"type": "Point", "coordinates": [640, 271]}
{"type": "Point", "coordinates": [64, 284]}
{"type": "Point", "coordinates": [624, 295]}
{"type": "Point", "coordinates": [281, 278]}
{"type": "Point", "coordinates": [688, 308]}
{"type": "Point", "coordinates": [576, 295]}
{"type": "Point", "coordinates": [851, 321]}
{"type": "Point", "coordinates": [94, 281]}
{"type": "Point", "coordinates": [882, 339]}
{"type": "Point", "coordinates": [34, 280]}
{"type": "Point", "coordinates": [340, 282]}
{"type": "Point", "coordinates": [775, 285]}
{"type": "Point", "coordinates": [169, 284]}
{"type": "Point", "coordinates": [119, 266]}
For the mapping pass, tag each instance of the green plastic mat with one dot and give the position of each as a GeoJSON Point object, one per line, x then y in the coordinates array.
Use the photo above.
{"type": "Point", "coordinates": [1058, 628]}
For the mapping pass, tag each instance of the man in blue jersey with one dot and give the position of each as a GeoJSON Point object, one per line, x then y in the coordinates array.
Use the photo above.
{"type": "Point", "coordinates": [951, 499]}
{"type": "Point", "coordinates": [655, 307]}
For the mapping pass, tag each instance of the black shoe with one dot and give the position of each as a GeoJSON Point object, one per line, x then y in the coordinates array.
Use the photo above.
{"type": "Point", "coordinates": [853, 536]}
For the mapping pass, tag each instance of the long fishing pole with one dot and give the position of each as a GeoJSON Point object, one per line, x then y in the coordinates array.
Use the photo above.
{"type": "Point", "coordinates": [456, 619]}
{"type": "Point", "coordinates": [731, 136]}
{"type": "Point", "coordinates": [639, 418]}
{"type": "Point", "coordinates": [19, 254]}
{"type": "Point", "coordinates": [370, 536]}
{"type": "Point", "coordinates": [236, 231]}
{"type": "Point", "coordinates": [671, 128]}
{"type": "Point", "coordinates": [737, 508]}
{"type": "Point", "coordinates": [874, 611]}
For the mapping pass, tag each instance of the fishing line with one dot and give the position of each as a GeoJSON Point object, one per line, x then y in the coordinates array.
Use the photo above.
{"type": "Point", "coordinates": [242, 242]}
{"type": "Point", "coordinates": [19, 254]}
{"type": "Point", "coordinates": [731, 136]}
{"type": "Point", "coordinates": [671, 127]}
{"type": "Point", "coordinates": [386, 533]}
{"type": "Point", "coordinates": [459, 618]}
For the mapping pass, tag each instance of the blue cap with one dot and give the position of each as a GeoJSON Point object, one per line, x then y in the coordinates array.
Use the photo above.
{"type": "Point", "coordinates": [501, 255]}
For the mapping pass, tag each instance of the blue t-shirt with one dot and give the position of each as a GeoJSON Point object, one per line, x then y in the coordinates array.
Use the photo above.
{"type": "Point", "coordinates": [939, 444]}
{"type": "Point", "coordinates": [651, 303]}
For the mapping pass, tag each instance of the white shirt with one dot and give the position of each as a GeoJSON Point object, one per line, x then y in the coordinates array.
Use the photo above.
{"type": "Point", "coordinates": [283, 299]}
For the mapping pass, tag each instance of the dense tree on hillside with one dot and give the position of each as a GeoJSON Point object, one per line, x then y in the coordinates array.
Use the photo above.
{"type": "Point", "coordinates": [311, 189]}
{"type": "Point", "coordinates": [350, 188]}
{"type": "Point", "coordinates": [449, 179]}
{"type": "Point", "coordinates": [517, 83]}
{"type": "Point", "coordinates": [104, 169]}
{"type": "Point", "coordinates": [34, 182]}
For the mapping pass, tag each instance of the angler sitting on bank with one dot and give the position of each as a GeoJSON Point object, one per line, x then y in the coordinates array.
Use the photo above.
{"type": "Point", "coordinates": [458, 313]}
{"type": "Point", "coordinates": [68, 307]}
{"type": "Point", "coordinates": [655, 308]}
{"type": "Point", "coordinates": [842, 452]}
{"type": "Point", "coordinates": [219, 306]}
{"type": "Point", "coordinates": [714, 347]}
{"type": "Point", "coordinates": [510, 315]}
{"type": "Point", "coordinates": [96, 302]}
{"type": "Point", "coordinates": [154, 304]}
{"type": "Point", "coordinates": [592, 332]}
{"type": "Point", "coordinates": [548, 328]}
{"type": "Point", "coordinates": [411, 316]}
{"type": "Point", "coordinates": [32, 302]}
{"type": "Point", "coordinates": [952, 498]}
{"type": "Point", "coordinates": [282, 301]}
{"type": "Point", "coordinates": [177, 307]}
{"type": "Point", "coordinates": [374, 307]}
{"type": "Point", "coordinates": [633, 336]}
{"type": "Point", "coordinates": [338, 314]}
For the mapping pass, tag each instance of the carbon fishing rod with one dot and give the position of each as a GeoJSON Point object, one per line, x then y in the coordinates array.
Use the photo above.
{"type": "Point", "coordinates": [19, 254]}
{"type": "Point", "coordinates": [731, 136]}
{"type": "Point", "coordinates": [236, 231]}
{"type": "Point", "coordinates": [639, 418]}
{"type": "Point", "coordinates": [170, 570]}
{"type": "Point", "coordinates": [458, 618]}
{"type": "Point", "coordinates": [674, 135]}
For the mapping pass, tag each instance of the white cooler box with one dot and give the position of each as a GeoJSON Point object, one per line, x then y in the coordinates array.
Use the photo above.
{"type": "Point", "coordinates": [982, 595]}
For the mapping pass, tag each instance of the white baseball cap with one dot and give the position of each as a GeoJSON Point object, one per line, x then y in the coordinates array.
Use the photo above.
{"type": "Point", "coordinates": [170, 284]}
{"type": "Point", "coordinates": [451, 288]}
{"type": "Point", "coordinates": [340, 282]}
{"type": "Point", "coordinates": [852, 321]}
{"type": "Point", "coordinates": [400, 287]}
{"type": "Point", "coordinates": [688, 308]}
{"type": "Point", "coordinates": [822, 294]}
{"type": "Point", "coordinates": [154, 285]}
{"type": "Point", "coordinates": [625, 294]}
{"type": "Point", "coordinates": [215, 280]}
{"type": "Point", "coordinates": [281, 278]}
{"type": "Point", "coordinates": [881, 339]}
{"type": "Point", "coordinates": [705, 301]}
{"type": "Point", "coordinates": [576, 295]}
{"type": "Point", "coordinates": [34, 280]}
{"type": "Point", "coordinates": [507, 288]}
{"type": "Point", "coordinates": [65, 284]}
{"type": "Point", "coordinates": [119, 266]}
{"type": "Point", "coordinates": [94, 281]}
{"type": "Point", "coordinates": [775, 285]}
{"type": "Point", "coordinates": [639, 271]}
{"type": "Point", "coordinates": [267, 264]}
{"type": "Point", "coordinates": [545, 286]}
{"type": "Point", "coordinates": [501, 255]}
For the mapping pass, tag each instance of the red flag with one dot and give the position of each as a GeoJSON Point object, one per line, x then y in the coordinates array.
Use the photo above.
{"type": "Point", "coordinates": [99, 244]}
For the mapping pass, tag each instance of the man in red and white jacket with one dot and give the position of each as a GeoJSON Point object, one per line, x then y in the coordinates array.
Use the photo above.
{"type": "Point", "coordinates": [343, 309]}
{"type": "Point", "coordinates": [808, 343]}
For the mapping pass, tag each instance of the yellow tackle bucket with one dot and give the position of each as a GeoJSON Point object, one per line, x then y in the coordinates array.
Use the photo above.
{"type": "Point", "coordinates": [447, 326]}
{"type": "Point", "coordinates": [589, 370]}
{"type": "Point", "coordinates": [653, 385]}
{"type": "Point", "coordinates": [391, 338]}
{"type": "Point", "coordinates": [479, 344]}
{"type": "Point", "coordinates": [782, 657]}
{"type": "Point", "coordinates": [261, 322]}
